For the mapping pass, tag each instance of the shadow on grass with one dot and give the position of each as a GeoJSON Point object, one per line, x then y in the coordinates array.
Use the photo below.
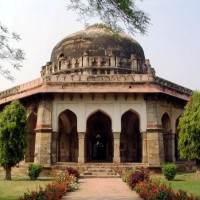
{"type": "Point", "coordinates": [178, 180]}
{"type": "Point", "coordinates": [8, 198]}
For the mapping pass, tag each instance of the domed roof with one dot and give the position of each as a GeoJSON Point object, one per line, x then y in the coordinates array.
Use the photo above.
{"type": "Point", "coordinates": [97, 50]}
{"type": "Point", "coordinates": [97, 40]}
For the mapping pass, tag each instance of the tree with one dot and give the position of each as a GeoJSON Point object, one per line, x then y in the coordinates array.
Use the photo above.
{"type": "Point", "coordinates": [9, 55]}
{"type": "Point", "coordinates": [189, 130]}
{"type": "Point", "coordinates": [13, 136]}
{"type": "Point", "coordinates": [117, 14]}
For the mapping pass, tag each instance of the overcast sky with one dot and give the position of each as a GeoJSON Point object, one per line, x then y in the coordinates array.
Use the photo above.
{"type": "Point", "coordinates": [172, 43]}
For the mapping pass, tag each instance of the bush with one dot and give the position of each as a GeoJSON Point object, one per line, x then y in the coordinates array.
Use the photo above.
{"type": "Point", "coordinates": [154, 190]}
{"type": "Point", "coordinates": [34, 171]}
{"type": "Point", "coordinates": [53, 191]}
{"type": "Point", "coordinates": [126, 175]}
{"type": "Point", "coordinates": [73, 172]}
{"type": "Point", "coordinates": [136, 177]}
{"type": "Point", "coordinates": [169, 171]}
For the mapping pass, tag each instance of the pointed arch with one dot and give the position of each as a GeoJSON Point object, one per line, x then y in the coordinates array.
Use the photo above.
{"type": "Point", "coordinates": [167, 138]}
{"type": "Point", "coordinates": [99, 138]}
{"type": "Point", "coordinates": [130, 138]}
{"type": "Point", "coordinates": [30, 153]}
{"type": "Point", "coordinates": [166, 123]}
{"type": "Point", "coordinates": [100, 111]}
{"type": "Point", "coordinates": [67, 137]}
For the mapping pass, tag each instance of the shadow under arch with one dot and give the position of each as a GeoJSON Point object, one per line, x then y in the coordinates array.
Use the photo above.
{"type": "Point", "coordinates": [130, 138]}
{"type": "Point", "coordinates": [167, 137]}
{"type": "Point", "coordinates": [67, 137]}
{"type": "Point", "coordinates": [99, 138]}
{"type": "Point", "coordinates": [30, 153]}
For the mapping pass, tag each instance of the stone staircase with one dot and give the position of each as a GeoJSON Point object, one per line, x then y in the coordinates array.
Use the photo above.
{"type": "Point", "coordinates": [99, 172]}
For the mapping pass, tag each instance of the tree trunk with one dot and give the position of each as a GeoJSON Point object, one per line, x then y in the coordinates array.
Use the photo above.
{"type": "Point", "coordinates": [198, 169]}
{"type": "Point", "coordinates": [8, 172]}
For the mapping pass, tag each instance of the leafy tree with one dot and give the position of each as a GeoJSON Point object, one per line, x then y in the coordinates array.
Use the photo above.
{"type": "Point", "coordinates": [9, 55]}
{"type": "Point", "coordinates": [189, 127]}
{"type": "Point", "coordinates": [13, 136]}
{"type": "Point", "coordinates": [117, 14]}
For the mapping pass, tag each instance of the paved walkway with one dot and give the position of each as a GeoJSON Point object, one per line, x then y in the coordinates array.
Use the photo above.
{"type": "Point", "coordinates": [102, 189]}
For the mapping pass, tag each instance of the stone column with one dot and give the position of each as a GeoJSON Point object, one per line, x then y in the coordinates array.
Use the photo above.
{"type": "Point", "coordinates": [54, 144]}
{"type": "Point", "coordinates": [144, 147]}
{"type": "Point", "coordinates": [116, 157]}
{"type": "Point", "coordinates": [43, 134]}
{"type": "Point", "coordinates": [171, 147]}
{"type": "Point", "coordinates": [81, 147]}
{"type": "Point", "coordinates": [43, 145]}
{"type": "Point", "coordinates": [155, 147]}
{"type": "Point", "coordinates": [154, 132]}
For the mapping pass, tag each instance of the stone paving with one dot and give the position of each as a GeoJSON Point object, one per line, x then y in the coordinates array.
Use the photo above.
{"type": "Point", "coordinates": [102, 189]}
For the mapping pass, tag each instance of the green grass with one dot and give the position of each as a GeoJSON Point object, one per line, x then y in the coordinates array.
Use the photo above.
{"type": "Point", "coordinates": [12, 190]}
{"type": "Point", "coordinates": [185, 182]}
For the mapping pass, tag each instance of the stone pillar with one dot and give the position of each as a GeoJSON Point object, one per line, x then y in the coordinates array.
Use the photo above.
{"type": "Point", "coordinates": [155, 147]}
{"type": "Point", "coordinates": [43, 134]}
{"type": "Point", "coordinates": [154, 132]}
{"type": "Point", "coordinates": [54, 144]}
{"type": "Point", "coordinates": [144, 147]}
{"type": "Point", "coordinates": [43, 145]}
{"type": "Point", "coordinates": [81, 147]}
{"type": "Point", "coordinates": [116, 157]}
{"type": "Point", "coordinates": [171, 147]}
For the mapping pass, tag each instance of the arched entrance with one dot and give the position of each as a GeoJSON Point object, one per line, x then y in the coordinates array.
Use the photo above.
{"type": "Point", "coordinates": [30, 153]}
{"type": "Point", "coordinates": [167, 137]}
{"type": "Point", "coordinates": [130, 139]}
{"type": "Point", "coordinates": [67, 137]}
{"type": "Point", "coordinates": [99, 138]}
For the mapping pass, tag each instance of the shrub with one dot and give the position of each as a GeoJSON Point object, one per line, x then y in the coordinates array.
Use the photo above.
{"type": "Point", "coordinates": [34, 171]}
{"type": "Point", "coordinates": [126, 175]}
{"type": "Point", "coordinates": [53, 191]}
{"type": "Point", "coordinates": [169, 171]}
{"type": "Point", "coordinates": [136, 177]}
{"type": "Point", "coordinates": [73, 184]}
{"type": "Point", "coordinates": [154, 190]}
{"type": "Point", "coordinates": [73, 172]}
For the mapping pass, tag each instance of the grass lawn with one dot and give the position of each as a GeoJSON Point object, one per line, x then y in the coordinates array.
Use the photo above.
{"type": "Point", "coordinates": [12, 190]}
{"type": "Point", "coordinates": [185, 182]}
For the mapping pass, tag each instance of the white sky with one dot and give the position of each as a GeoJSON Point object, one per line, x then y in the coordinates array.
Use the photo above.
{"type": "Point", "coordinates": [172, 44]}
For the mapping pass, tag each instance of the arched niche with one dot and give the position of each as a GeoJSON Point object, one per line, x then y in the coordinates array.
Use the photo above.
{"type": "Point", "coordinates": [67, 137]}
{"type": "Point", "coordinates": [166, 123]}
{"type": "Point", "coordinates": [30, 153]}
{"type": "Point", "coordinates": [130, 138]}
{"type": "Point", "coordinates": [99, 138]}
{"type": "Point", "coordinates": [167, 138]}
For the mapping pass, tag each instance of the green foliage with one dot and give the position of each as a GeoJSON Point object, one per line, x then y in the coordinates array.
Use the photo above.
{"type": "Point", "coordinates": [62, 183]}
{"type": "Point", "coordinates": [126, 175]}
{"type": "Point", "coordinates": [154, 190]}
{"type": "Point", "coordinates": [117, 14]}
{"type": "Point", "coordinates": [169, 171]}
{"type": "Point", "coordinates": [9, 56]}
{"type": "Point", "coordinates": [34, 171]}
{"type": "Point", "coordinates": [13, 134]}
{"type": "Point", "coordinates": [189, 126]}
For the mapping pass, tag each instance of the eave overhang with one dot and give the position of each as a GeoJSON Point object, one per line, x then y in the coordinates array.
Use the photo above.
{"type": "Point", "coordinates": [116, 83]}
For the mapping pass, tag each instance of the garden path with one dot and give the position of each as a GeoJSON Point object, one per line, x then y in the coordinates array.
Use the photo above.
{"type": "Point", "coordinates": [102, 189]}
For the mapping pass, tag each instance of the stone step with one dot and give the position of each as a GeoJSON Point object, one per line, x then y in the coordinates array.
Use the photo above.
{"type": "Point", "coordinates": [99, 176]}
{"type": "Point", "coordinates": [94, 172]}
{"type": "Point", "coordinates": [99, 170]}
{"type": "Point", "coordinates": [99, 173]}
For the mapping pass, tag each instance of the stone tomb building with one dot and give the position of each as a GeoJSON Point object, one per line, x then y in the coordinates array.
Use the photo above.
{"type": "Point", "coordinates": [98, 100]}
